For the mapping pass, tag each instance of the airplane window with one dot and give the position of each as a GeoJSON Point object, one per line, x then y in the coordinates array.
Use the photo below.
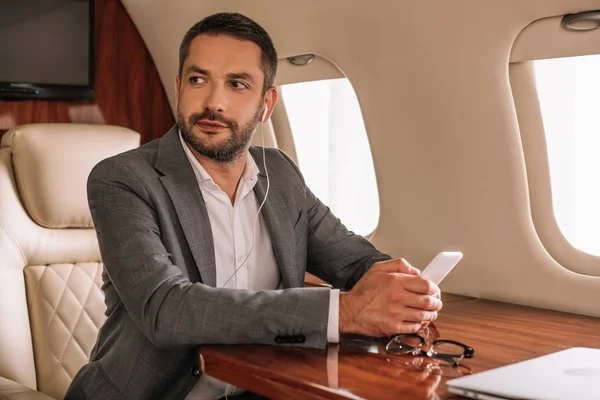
{"type": "Point", "coordinates": [568, 91]}
{"type": "Point", "coordinates": [333, 149]}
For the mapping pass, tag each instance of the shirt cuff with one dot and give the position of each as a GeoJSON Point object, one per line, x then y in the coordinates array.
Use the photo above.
{"type": "Point", "coordinates": [333, 322]}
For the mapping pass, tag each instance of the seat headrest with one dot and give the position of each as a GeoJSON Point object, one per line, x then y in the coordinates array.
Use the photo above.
{"type": "Point", "coordinates": [52, 163]}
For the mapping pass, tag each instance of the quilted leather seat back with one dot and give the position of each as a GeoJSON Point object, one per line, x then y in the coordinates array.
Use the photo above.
{"type": "Point", "coordinates": [51, 304]}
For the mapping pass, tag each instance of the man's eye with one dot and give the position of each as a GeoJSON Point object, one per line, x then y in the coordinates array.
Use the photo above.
{"type": "Point", "coordinates": [239, 85]}
{"type": "Point", "coordinates": [196, 80]}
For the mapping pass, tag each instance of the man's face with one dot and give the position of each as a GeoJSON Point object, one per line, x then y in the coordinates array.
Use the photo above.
{"type": "Point", "coordinates": [219, 95]}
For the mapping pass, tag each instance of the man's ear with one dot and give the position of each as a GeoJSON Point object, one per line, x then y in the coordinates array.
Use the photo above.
{"type": "Point", "coordinates": [270, 100]}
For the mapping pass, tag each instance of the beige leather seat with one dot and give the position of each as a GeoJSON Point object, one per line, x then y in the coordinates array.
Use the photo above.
{"type": "Point", "coordinates": [51, 305]}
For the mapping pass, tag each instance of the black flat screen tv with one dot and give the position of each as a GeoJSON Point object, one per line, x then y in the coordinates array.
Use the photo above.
{"type": "Point", "coordinates": [46, 49]}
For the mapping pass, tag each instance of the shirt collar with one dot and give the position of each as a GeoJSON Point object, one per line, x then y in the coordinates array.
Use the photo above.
{"type": "Point", "coordinates": [249, 175]}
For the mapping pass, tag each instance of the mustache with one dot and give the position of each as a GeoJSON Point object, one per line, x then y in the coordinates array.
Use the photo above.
{"type": "Point", "coordinates": [212, 116]}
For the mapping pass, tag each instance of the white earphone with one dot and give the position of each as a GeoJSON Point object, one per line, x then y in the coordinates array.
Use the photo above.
{"type": "Point", "coordinates": [264, 116]}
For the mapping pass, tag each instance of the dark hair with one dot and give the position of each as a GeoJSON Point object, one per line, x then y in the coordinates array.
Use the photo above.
{"type": "Point", "coordinates": [240, 27]}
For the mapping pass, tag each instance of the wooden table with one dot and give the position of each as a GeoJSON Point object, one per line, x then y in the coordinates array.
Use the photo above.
{"type": "Point", "coordinates": [359, 367]}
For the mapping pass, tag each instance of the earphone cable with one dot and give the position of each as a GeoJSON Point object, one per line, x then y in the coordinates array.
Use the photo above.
{"type": "Point", "coordinates": [262, 133]}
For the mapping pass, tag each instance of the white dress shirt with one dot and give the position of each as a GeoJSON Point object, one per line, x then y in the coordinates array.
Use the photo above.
{"type": "Point", "coordinates": [232, 226]}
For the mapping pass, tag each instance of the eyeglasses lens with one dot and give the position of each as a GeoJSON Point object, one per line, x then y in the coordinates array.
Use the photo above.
{"type": "Point", "coordinates": [448, 349]}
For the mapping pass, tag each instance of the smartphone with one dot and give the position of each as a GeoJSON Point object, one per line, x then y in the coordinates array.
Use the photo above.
{"type": "Point", "coordinates": [441, 265]}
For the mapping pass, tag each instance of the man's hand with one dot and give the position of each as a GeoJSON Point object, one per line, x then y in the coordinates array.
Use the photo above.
{"type": "Point", "coordinates": [390, 298]}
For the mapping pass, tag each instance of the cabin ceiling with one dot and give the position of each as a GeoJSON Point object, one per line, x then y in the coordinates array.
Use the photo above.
{"type": "Point", "coordinates": [371, 38]}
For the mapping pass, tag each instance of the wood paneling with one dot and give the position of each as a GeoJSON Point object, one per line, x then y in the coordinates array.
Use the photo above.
{"type": "Point", "coordinates": [359, 367]}
{"type": "Point", "coordinates": [128, 89]}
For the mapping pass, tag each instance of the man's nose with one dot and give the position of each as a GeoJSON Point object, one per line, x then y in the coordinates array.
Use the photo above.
{"type": "Point", "coordinates": [216, 101]}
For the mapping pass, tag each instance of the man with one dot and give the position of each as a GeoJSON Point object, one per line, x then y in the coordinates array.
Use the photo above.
{"type": "Point", "coordinates": [185, 262]}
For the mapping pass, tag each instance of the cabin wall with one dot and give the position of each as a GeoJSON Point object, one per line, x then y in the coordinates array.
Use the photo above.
{"type": "Point", "coordinates": [432, 79]}
{"type": "Point", "coordinates": [128, 89]}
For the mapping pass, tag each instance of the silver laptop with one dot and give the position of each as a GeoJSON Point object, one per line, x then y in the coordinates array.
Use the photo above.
{"type": "Point", "coordinates": [569, 374]}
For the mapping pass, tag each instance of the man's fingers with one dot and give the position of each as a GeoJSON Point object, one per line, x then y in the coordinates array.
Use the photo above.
{"type": "Point", "coordinates": [421, 286]}
{"type": "Point", "coordinates": [418, 316]}
{"type": "Point", "coordinates": [397, 265]}
{"type": "Point", "coordinates": [424, 302]}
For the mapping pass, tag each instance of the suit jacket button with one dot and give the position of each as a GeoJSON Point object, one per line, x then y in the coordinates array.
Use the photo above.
{"type": "Point", "coordinates": [196, 371]}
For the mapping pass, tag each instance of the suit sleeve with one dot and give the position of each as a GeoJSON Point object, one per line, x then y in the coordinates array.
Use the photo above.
{"type": "Point", "coordinates": [335, 254]}
{"type": "Point", "coordinates": [166, 306]}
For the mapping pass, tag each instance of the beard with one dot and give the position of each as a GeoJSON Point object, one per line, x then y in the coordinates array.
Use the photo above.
{"type": "Point", "coordinates": [228, 149]}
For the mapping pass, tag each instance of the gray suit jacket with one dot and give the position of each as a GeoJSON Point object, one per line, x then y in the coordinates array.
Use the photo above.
{"type": "Point", "coordinates": [159, 271]}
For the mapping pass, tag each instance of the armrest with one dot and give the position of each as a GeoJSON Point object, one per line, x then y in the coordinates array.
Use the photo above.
{"type": "Point", "coordinates": [10, 390]}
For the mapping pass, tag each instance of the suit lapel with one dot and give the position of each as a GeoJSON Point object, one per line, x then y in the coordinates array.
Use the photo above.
{"type": "Point", "coordinates": [279, 224]}
{"type": "Point", "coordinates": [181, 185]}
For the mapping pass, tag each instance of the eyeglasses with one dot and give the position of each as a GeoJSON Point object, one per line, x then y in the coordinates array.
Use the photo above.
{"type": "Point", "coordinates": [448, 351]}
